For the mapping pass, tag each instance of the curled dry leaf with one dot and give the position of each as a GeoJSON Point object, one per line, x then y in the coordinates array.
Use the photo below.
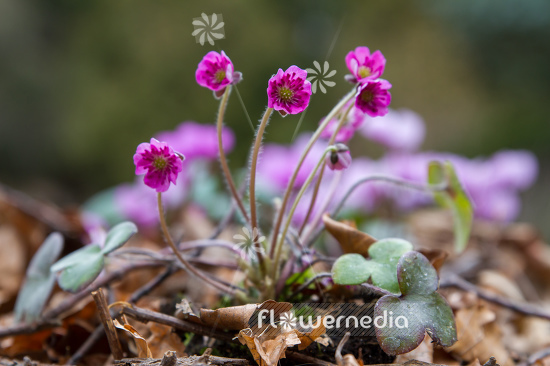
{"type": "Point", "coordinates": [268, 352]}
{"type": "Point", "coordinates": [232, 318]}
{"type": "Point", "coordinates": [141, 343]}
{"type": "Point", "coordinates": [350, 239]}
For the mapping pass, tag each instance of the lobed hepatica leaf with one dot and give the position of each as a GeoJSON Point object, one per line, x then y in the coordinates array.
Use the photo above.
{"type": "Point", "coordinates": [80, 274]}
{"type": "Point", "coordinates": [119, 235]}
{"type": "Point", "coordinates": [81, 267]}
{"type": "Point", "coordinates": [454, 198]}
{"type": "Point", "coordinates": [38, 281]}
{"type": "Point", "coordinates": [354, 269]}
{"type": "Point", "coordinates": [423, 309]}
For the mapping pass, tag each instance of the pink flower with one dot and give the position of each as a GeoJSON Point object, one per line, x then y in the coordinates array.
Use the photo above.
{"type": "Point", "coordinates": [160, 164]}
{"type": "Point", "coordinates": [373, 97]}
{"type": "Point", "coordinates": [197, 140]}
{"type": "Point", "coordinates": [339, 159]}
{"type": "Point", "coordinates": [363, 65]}
{"type": "Point", "coordinates": [401, 130]}
{"type": "Point", "coordinates": [353, 121]}
{"type": "Point", "coordinates": [289, 92]}
{"type": "Point", "coordinates": [215, 71]}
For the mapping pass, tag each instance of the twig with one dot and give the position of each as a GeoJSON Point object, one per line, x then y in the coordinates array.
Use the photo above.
{"type": "Point", "coordinates": [151, 285]}
{"type": "Point", "coordinates": [458, 282]}
{"type": "Point", "coordinates": [145, 316]}
{"type": "Point", "coordinates": [109, 327]}
{"type": "Point", "coordinates": [49, 318]}
{"type": "Point", "coordinates": [296, 356]}
{"type": "Point", "coordinates": [185, 361]}
{"type": "Point", "coordinates": [96, 335]}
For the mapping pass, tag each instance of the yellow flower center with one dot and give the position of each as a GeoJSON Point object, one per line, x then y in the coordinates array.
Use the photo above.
{"type": "Point", "coordinates": [363, 72]}
{"type": "Point", "coordinates": [160, 163]}
{"type": "Point", "coordinates": [220, 75]}
{"type": "Point", "coordinates": [286, 94]}
{"type": "Point", "coordinates": [367, 96]}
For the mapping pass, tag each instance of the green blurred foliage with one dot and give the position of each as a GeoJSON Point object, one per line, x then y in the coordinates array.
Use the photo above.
{"type": "Point", "coordinates": [83, 82]}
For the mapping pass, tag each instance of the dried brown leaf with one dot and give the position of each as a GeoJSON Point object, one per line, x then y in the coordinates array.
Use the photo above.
{"type": "Point", "coordinates": [232, 318]}
{"type": "Point", "coordinates": [141, 343]}
{"type": "Point", "coordinates": [350, 239]}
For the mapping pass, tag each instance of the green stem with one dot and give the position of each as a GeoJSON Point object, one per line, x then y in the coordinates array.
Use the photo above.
{"type": "Point", "coordinates": [252, 189]}
{"type": "Point", "coordinates": [293, 209]}
{"type": "Point", "coordinates": [223, 159]}
{"type": "Point", "coordinates": [186, 265]}
{"type": "Point", "coordinates": [321, 173]}
{"type": "Point", "coordinates": [333, 112]}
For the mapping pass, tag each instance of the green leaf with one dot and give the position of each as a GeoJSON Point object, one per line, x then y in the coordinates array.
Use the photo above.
{"type": "Point", "coordinates": [354, 269]}
{"type": "Point", "coordinates": [79, 275]}
{"type": "Point", "coordinates": [78, 256]}
{"type": "Point", "coordinates": [454, 198]}
{"type": "Point", "coordinates": [119, 235]}
{"type": "Point", "coordinates": [423, 309]}
{"type": "Point", "coordinates": [39, 281]}
{"type": "Point", "coordinates": [351, 269]}
{"type": "Point", "coordinates": [385, 255]}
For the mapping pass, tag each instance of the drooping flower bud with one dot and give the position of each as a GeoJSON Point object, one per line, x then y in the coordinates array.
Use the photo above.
{"type": "Point", "coordinates": [340, 158]}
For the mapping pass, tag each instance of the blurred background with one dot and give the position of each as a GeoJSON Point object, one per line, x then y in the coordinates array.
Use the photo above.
{"type": "Point", "coordinates": [83, 82]}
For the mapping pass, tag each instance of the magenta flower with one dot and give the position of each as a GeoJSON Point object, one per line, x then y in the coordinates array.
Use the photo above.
{"type": "Point", "coordinates": [160, 164]}
{"type": "Point", "coordinates": [373, 97]}
{"type": "Point", "coordinates": [289, 92]}
{"type": "Point", "coordinates": [339, 159]}
{"type": "Point", "coordinates": [215, 72]}
{"type": "Point", "coordinates": [363, 65]}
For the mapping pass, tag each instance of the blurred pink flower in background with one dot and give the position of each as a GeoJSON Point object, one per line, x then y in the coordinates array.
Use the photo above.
{"type": "Point", "coordinates": [401, 130]}
{"type": "Point", "coordinates": [197, 140]}
{"type": "Point", "coordinates": [353, 121]}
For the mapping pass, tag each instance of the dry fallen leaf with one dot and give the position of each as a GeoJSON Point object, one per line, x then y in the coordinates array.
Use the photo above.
{"type": "Point", "coordinates": [479, 336]}
{"type": "Point", "coordinates": [232, 318]}
{"type": "Point", "coordinates": [141, 343]}
{"type": "Point", "coordinates": [424, 352]}
{"type": "Point", "coordinates": [350, 239]}
{"type": "Point", "coordinates": [163, 339]}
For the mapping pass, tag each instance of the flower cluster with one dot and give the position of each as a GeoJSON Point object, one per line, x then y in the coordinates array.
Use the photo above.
{"type": "Point", "coordinates": [373, 96]}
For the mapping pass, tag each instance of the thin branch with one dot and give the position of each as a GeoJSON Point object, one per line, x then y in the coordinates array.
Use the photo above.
{"type": "Point", "coordinates": [145, 316]}
{"type": "Point", "coordinates": [522, 308]}
{"type": "Point", "coordinates": [107, 321]}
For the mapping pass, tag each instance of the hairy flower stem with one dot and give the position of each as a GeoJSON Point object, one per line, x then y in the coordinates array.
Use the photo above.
{"type": "Point", "coordinates": [223, 159]}
{"type": "Point", "coordinates": [314, 138]}
{"type": "Point", "coordinates": [186, 265]}
{"type": "Point", "coordinates": [321, 173]}
{"type": "Point", "coordinates": [252, 187]}
{"type": "Point", "coordinates": [280, 244]}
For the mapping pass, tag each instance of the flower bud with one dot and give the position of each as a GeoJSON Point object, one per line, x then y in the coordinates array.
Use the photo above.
{"type": "Point", "coordinates": [340, 158]}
